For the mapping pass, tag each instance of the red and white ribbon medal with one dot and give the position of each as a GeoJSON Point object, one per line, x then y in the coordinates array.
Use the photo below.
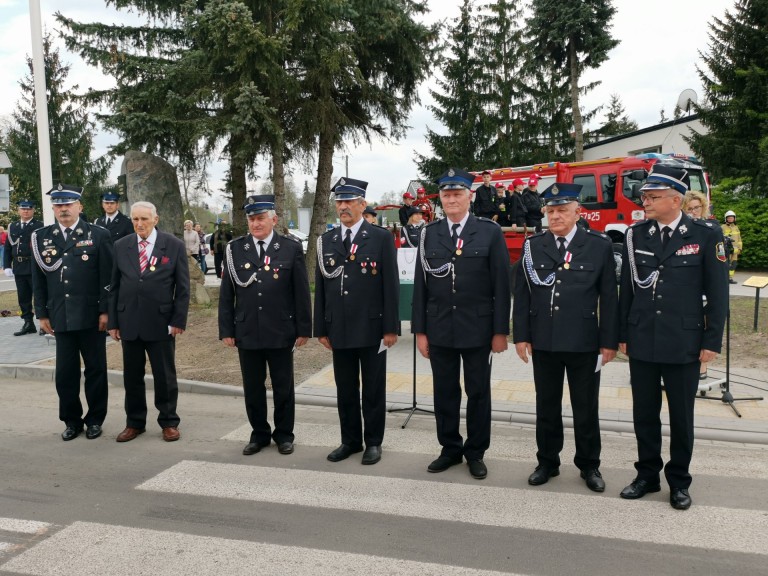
{"type": "Point", "coordinates": [373, 268]}
{"type": "Point", "coordinates": [267, 260]}
{"type": "Point", "coordinates": [152, 262]}
{"type": "Point", "coordinates": [352, 250]}
{"type": "Point", "coordinates": [568, 257]}
{"type": "Point", "coordinates": [459, 244]}
{"type": "Point", "coordinates": [363, 267]}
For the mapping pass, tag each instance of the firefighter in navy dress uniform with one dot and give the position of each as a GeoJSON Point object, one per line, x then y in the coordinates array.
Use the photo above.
{"type": "Point", "coordinates": [118, 224]}
{"type": "Point", "coordinates": [356, 310]}
{"type": "Point", "coordinates": [73, 265]}
{"type": "Point", "coordinates": [461, 315]}
{"type": "Point", "coordinates": [565, 316]}
{"type": "Point", "coordinates": [17, 261]}
{"type": "Point", "coordinates": [411, 232]}
{"type": "Point", "coordinates": [265, 310]}
{"type": "Point", "coordinates": [669, 262]}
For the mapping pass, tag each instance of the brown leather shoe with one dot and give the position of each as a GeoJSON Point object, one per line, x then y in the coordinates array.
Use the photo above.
{"type": "Point", "coordinates": [171, 434]}
{"type": "Point", "coordinates": [129, 434]}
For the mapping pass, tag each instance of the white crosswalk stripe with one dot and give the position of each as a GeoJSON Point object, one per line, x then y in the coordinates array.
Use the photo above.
{"type": "Point", "coordinates": [115, 550]}
{"type": "Point", "coordinates": [519, 447]}
{"type": "Point", "coordinates": [20, 526]}
{"type": "Point", "coordinates": [637, 521]}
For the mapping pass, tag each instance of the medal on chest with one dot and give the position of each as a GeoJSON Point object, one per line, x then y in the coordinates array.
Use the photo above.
{"type": "Point", "coordinates": [352, 250]}
{"type": "Point", "coordinates": [152, 263]}
{"type": "Point", "coordinates": [267, 260]}
{"type": "Point", "coordinates": [459, 245]}
{"type": "Point", "coordinates": [568, 257]}
{"type": "Point", "coordinates": [363, 267]}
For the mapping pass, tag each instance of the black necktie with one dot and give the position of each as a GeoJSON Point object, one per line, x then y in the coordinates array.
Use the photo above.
{"type": "Point", "coordinates": [561, 247]}
{"type": "Point", "coordinates": [67, 232]}
{"type": "Point", "coordinates": [454, 232]}
{"type": "Point", "coordinates": [666, 232]}
{"type": "Point", "coordinates": [261, 250]}
{"type": "Point", "coordinates": [348, 240]}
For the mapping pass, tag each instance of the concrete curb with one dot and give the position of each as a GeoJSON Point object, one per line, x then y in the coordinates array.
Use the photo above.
{"type": "Point", "coordinates": [46, 374]}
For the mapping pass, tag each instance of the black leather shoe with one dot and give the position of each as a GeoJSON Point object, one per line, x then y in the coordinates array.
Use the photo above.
{"type": "Point", "coordinates": [285, 447]}
{"type": "Point", "coordinates": [71, 432]}
{"type": "Point", "coordinates": [542, 474]}
{"type": "Point", "coordinates": [477, 469]}
{"type": "Point", "coordinates": [371, 455]}
{"type": "Point", "coordinates": [594, 480]}
{"type": "Point", "coordinates": [93, 431]}
{"type": "Point", "coordinates": [27, 328]}
{"type": "Point", "coordinates": [638, 489]}
{"type": "Point", "coordinates": [679, 499]}
{"type": "Point", "coordinates": [253, 448]}
{"type": "Point", "coordinates": [343, 452]}
{"type": "Point", "coordinates": [443, 463]}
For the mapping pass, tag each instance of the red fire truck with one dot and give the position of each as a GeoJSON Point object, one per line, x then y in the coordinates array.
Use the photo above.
{"type": "Point", "coordinates": [610, 193]}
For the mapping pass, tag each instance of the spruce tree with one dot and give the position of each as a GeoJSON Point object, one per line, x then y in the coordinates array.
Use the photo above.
{"type": "Point", "coordinates": [71, 139]}
{"type": "Point", "coordinates": [575, 35]}
{"type": "Point", "coordinates": [735, 108]}
{"type": "Point", "coordinates": [502, 87]}
{"type": "Point", "coordinates": [616, 120]}
{"type": "Point", "coordinates": [458, 105]}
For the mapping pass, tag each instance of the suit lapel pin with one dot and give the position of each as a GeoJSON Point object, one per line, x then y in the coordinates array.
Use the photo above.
{"type": "Point", "coordinates": [652, 231]}
{"type": "Point", "coordinates": [56, 232]}
{"type": "Point", "coordinates": [683, 229]}
{"type": "Point", "coordinates": [276, 246]}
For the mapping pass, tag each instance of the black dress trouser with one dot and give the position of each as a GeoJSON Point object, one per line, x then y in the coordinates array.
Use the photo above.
{"type": "Point", "coordinates": [162, 359]}
{"type": "Point", "coordinates": [24, 294]}
{"type": "Point", "coordinates": [91, 345]}
{"type": "Point", "coordinates": [253, 366]}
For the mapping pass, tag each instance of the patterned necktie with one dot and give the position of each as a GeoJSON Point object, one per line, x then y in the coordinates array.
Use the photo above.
{"type": "Point", "coordinates": [454, 232]}
{"type": "Point", "coordinates": [348, 240]}
{"type": "Point", "coordinates": [666, 232]}
{"type": "Point", "coordinates": [67, 232]}
{"type": "Point", "coordinates": [143, 260]}
{"type": "Point", "coordinates": [561, 247]}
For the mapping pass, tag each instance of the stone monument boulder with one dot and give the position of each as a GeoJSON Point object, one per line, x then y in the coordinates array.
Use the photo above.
{"type": "Point", "coordinates": [152, 179]}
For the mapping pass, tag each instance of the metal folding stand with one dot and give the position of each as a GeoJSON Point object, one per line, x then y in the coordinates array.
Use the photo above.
{"type": "Point", "coordinates": [413, 408]}
{"type": "Point", "coordinates": [725, 383]}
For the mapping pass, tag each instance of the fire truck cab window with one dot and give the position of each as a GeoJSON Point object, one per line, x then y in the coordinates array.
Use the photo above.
{"type": "Point", "coordinates": [608, 184]}
{"type": "Point", "coordinates": [588, 188]}
{"type": "Point", "coordinates": [697, 181]}
{"type": "Point", "coordinates": [631, 184]}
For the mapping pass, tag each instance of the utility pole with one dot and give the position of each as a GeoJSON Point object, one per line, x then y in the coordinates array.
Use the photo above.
{"type": "Point", "coordinates": [41, 110]}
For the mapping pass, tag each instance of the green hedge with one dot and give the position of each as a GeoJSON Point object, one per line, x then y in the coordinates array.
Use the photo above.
{"type": "Point", "coordinates": [751, 216]}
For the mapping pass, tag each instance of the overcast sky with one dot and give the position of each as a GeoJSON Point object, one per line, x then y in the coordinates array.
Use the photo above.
{"type": "Point", "coordinates": [654, 62]}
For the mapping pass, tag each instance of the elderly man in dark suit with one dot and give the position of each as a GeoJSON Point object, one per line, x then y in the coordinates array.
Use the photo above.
{"type": "Point", "coordinates": [265, 310]}
{"type": "Point", "coordinates": [356, 311]}
{"type": "Point", "coordinates": [73, 264]}
{"type": "Point", "coordinates": [565, 316]}
{"type": "Point", "coordinates": [461, 314]}
{"type": "Point", "coordinates": [148, 305]}
{"type": "Point", "coordinates": [118, 224]}
{"type": "Point", "coordinates": [670, 261]}
{"type": "Point", "coordinates": [17, 261]}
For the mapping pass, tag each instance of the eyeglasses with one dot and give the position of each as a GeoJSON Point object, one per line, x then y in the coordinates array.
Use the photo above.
{"type": "Point", "coordinates": [651, 199]}
{"type": "Point", "coordinates": [694, 209]}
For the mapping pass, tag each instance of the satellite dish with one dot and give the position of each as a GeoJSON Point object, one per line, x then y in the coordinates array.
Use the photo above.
{"type": "Point", "coordinates": [687, 99]}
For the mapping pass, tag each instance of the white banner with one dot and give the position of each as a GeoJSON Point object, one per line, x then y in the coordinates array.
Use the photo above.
{"type": "Point", "coordinates": [406, 264]}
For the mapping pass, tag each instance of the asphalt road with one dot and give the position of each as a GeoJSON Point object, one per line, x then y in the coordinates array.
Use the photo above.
{"type": "Point", "coordinates": [199, 507]}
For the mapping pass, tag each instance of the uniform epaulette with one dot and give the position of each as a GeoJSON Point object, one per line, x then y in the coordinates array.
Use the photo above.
{"type": "Point", "coordinates": [537, 234]}
{"type": "Point", "coordinates": [289, 237]}
{"type": "Point", "coordinates": [434, 222]}
{"type": "Point", "coordinates": [706, 222]}
{"type": "Point", "coordinates": [599, 234]}
{"type": "Point", "coordinates": [639, 223]}
{"type": "Point", "coordinates": [238, 238]}
{"type": "Point", "coordinates": [486, 220]}
{"type": "Point", "coordinates": [98, 226]}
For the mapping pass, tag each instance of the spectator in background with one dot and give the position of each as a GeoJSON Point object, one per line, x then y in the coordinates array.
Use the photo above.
{"type": "Point", "coordinates": [219, 240]}
{"type": "Point", "coordinates": [191, 239]}
{"type": "Point", "coordinates": [3, 238]}
{"type": "Point", "coordinates": [532, 201]}
{"type": "Point", "coordinates": [403, 212]}
{"type": "Point", "coordinates": [423, 204]}
{"type": "Point", "coordinates": [733, 244]}
{"type": "Point", "coordinates": [696, 204]}
{"type": "Point", "coordinates": [502, 205]}
{"type": "Point", "coordinates": [516, 206]}
{"type": "Point", "coordinates": [485, 196]}
{"type": "Point", "coordinates": [202, 250]}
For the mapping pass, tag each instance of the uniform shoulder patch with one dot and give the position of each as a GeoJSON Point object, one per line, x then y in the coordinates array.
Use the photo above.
{"type": "Point", "coordinates": [243, 237]}
{"type": "Point", "coordinates": [639, 223]}
{"type": "Point", "coordinates": [289, 238]}
{"type": "Point", "coordinates": [434, 222]}
{"type": "Point", "coordinates": [706, 223]}
{"type": "Point", "coordinates": [598, 234]}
